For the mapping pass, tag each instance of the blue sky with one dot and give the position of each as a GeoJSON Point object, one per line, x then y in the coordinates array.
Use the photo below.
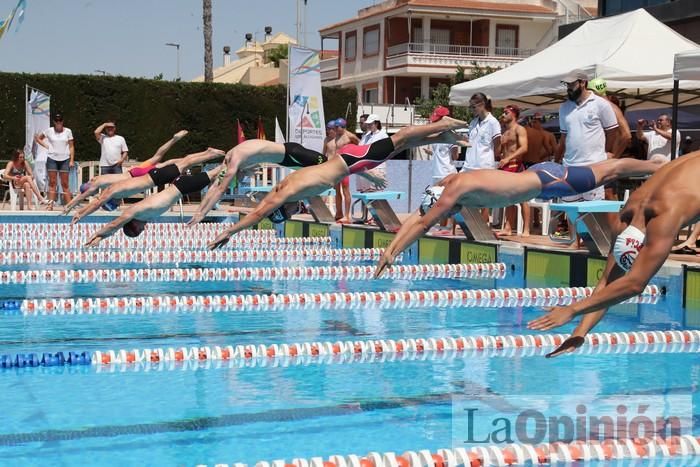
{"type": "Point", "coordinates": [127, 37]}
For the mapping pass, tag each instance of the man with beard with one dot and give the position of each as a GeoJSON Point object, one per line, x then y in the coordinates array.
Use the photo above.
{"type": "Point", "coordinates": [589, 130]}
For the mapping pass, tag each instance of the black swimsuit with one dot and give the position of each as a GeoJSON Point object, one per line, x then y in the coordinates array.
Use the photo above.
{"type": "Point", "coordinates": [187, 184]}
{"type": "Point", "coordinates": [164, 175]}
{"type": "Point", "coordinates": [296, 155]}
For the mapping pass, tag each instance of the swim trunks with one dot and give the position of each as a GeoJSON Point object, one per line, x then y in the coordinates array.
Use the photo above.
{"type": "Point", "coordinates": [363, 158]}
{"type": "Point", "coordinates": [296, 155]}
{"type": "Point", "coordinates": [558, 181]}
{"type": "Point", "coordinates": [164, 175]}
{"type": "Point", "coordinates": [139, 171]}
{"type": "Point", "coordinates": [187, 184]}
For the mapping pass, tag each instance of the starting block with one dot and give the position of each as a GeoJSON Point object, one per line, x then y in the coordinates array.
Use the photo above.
{"type": "Point", "coordinates": [378, 205]}
{"type": "Point", "coordinates": [315, 204]}
{"type": "Point", "coordinates": [473, 225]}
{"type": "Point", "coordinates": [590, 219]}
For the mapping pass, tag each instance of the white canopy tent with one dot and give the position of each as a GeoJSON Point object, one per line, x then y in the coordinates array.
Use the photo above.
{"type": "Point", "coordinates": [633, 52]}
{"type": "Point", "coordinates": [686, 65]}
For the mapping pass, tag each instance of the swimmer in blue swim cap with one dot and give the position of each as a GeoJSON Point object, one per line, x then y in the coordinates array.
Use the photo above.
{"type": "Point", "coordinates": [649, 224]}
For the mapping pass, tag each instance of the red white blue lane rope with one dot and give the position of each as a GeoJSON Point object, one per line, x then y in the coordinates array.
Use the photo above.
{"type": "Point", "coordinates": [165, 227]}
{"type": "Point", "coordinates": [509, 454]}
{"type": "Point", "coordinates": [338, 348]}
{"type": "Point", "coordinates": [187, 256]}
{"type": "Point", "coordinates": [354, 272]}
{"type": "Point", "coordinates": [62, 242]}
{"type": "Point", "coordinates": [331, 300]}
{"type": "Point", "coordinates": [370, 358]}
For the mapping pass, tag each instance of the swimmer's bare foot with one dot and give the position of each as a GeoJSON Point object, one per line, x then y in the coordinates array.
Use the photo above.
{"type": "Point", "coordinates": [180, 134]}
{"type": "Point", "coordinates": [453, 123]}
{"type": "Point", "coordinates": [526, 233]}
{"type": "Point", "coordinates": [213, 151]}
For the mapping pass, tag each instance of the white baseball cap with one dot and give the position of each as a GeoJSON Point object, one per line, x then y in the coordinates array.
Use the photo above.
{"type": "Point", "coordinates": [373, 118]}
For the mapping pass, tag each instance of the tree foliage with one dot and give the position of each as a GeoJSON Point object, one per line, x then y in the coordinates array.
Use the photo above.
{"type": "Point", "coordinates": [440, 95]}
{"type": "Point", "coordinates": [281, 52]}
{"type": "Point", "coordinates": [148, 112]}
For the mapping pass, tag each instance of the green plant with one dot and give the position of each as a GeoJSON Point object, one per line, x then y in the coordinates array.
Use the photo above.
{"type": "Point", "coordinates": [440, 95]}
{"type": "Point", "coordinates": [149, 112]}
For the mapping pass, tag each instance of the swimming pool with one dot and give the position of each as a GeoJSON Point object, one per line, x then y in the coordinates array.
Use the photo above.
{"type": "Point", "coordinates": [357, 365]}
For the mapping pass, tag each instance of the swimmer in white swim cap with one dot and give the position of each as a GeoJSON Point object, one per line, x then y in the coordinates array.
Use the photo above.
{"type": "Point", "coordinates": [649, 224]}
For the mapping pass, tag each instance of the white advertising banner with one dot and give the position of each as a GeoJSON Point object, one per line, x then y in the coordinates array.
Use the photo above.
{"type": "Point", "coordinates": [38, 119]}
{"type": "Point", "coordinates": [305, 114]}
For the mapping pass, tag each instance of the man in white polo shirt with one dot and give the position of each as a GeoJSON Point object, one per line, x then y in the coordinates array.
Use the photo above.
{"type": "Point", "coordinates": [114, 150]}
{"type": "Point", "coordinates": [588, 129]}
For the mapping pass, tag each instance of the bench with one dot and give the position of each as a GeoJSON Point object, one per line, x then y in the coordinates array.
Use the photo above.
{"type": "Point", "coordinates": [377, 202]}
{"type": "Point", "coordinates": [591, 221]}
{"type": "Point", "coordinates": [315, 204]}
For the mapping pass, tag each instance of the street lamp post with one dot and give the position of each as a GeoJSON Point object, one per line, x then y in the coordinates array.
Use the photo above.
{"type": "Point", "coordinates": [177, 46]}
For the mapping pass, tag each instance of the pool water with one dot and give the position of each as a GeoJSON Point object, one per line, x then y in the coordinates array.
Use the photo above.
{"type": "Point", "coordinates": [222, 412]}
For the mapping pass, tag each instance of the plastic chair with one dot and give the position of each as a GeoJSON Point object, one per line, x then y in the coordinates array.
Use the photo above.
{"type": "Point", "coordinates": [544, 205]}
{"type": "Point", "coordinates": [13, 193]}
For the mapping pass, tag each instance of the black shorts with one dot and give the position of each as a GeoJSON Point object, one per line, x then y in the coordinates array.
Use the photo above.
{"type": "Point", "coordinates": [296, 155]}
{"type": "Point", "coordinates": [187, 184]}
{"type": "Point", "coordinates": [164, 175]}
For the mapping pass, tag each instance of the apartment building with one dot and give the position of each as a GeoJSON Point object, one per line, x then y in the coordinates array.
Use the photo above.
{"type": "Point", "coordinates": [398, 50]}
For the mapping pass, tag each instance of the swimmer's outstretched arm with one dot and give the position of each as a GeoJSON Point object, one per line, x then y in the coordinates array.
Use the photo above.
{"type": "Point", "coordinates": [415, 226]}
{"type": "Point", "coordinates": [614, 290]}
{"type": "Point", "coordinates": [153, 160]}
{"type": "Point", "coordinates": [93, 205]}
{"type": "Point", "coordinates": [111, 227]}
{"type": "Point", "coordinates": [272, 201]}
{"type": "Point", "coordinates": [94, 185]}
{"type": "Point", "coordinates": [213, 195]}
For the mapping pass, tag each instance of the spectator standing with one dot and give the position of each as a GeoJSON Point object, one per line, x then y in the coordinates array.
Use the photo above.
{"type": "Point", "coordinates": [658, 137]}
{"type": "Point", "coordinates": [114, 150]}
{"type": "Point", "coordinates": [484, 135]}
{"type": "Point", "coordinates": [589, 131]}
{"type": "Point", "coordinates": [442, 154]}
{"type": "Point", "coordinates": [58, 140]}
{"type": "Point", "coordinates": [374, 133]}
{"type": "Point", "coordinates": [513, 149]}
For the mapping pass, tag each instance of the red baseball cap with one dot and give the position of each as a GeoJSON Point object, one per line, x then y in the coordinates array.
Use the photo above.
{"type": "Point", "coordinates": [439, 112]}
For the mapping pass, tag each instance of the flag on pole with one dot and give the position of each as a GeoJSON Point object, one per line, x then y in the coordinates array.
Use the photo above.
{"type": "Point", "coordinates": [241, 135]}
{"type": "Point", "coordinates": [279, 136]}
{"type": "Point", "coordinates": [261, 129]}
{"type": "Point", "coordinates": [19, 13]}
{"type": "Point", "coordinates": [5, 25]}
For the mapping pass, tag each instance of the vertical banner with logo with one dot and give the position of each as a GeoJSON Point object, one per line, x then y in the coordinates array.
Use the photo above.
{"type": "Point", "coordinates": [37, 120]}
{"type": "Point", "coordinates": [305, 113]}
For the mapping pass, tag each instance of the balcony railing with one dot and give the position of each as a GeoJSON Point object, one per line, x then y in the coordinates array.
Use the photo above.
{"type": "Point", "coordinates": [329, 69]}
{"type": "Point", "coordinates": [460, 50]}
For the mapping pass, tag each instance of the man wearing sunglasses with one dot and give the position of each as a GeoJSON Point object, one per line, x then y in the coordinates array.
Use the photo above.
{"type": "Point", "coordinates": [658, 137]}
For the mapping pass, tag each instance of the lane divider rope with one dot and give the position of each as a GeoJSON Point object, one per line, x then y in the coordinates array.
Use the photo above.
{"type": "Point", "coordinates": [332, 300]}
{"type": "Point", "coordinates": [153, 226]}
{"type": "Point", "coordinates": [119, 240]}
{"type": "Point", "coordinates": [432, 356]}
{"type": "Point", "coordinates": [354, 272]}
{"type": "Point", "coordinates": [357, 348]}
{"type": "Point", "coordinates": [179, 256]}
{"type": "Point", "coordinates": [509, 454]}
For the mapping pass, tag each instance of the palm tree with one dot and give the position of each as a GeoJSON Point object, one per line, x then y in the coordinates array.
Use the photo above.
{"type": "Point", "coordinates": [208, 60]}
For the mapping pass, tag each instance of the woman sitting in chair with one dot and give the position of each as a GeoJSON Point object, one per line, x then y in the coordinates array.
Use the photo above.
{"type": "Point", "coordinates": [20, 175]}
